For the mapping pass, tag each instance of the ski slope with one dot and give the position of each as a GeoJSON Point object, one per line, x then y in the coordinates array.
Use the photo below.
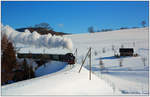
{"type": "Point", "coordinates": [130, 79]}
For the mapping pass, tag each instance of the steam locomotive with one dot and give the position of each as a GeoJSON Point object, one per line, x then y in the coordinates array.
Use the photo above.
{"type": "Point", "coordinates": [69, 57]}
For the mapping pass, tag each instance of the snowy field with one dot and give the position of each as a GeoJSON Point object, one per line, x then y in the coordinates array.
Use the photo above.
{"type": "Point", "coordinates": [132, 78]}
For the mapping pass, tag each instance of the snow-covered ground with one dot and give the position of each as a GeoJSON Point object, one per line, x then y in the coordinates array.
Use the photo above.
{"type": "Point", "coordinates": [65, 82]}
{"type": "Point", "coordinates": [130, 79]}
{"type": "Point", "coordinates": [50, 67]}
{"type": "Point", "coordinates": [133, 76]}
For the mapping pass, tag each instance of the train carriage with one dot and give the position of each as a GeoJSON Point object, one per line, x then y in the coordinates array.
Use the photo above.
{"type": "Point", "coordinates": [69, 57]}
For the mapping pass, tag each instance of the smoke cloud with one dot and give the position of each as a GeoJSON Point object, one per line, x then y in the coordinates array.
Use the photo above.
{"type": "Point", "coordinates": [36, 39]}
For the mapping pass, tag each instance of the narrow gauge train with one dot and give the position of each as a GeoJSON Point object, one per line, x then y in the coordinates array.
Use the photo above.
{"type": "Point", "coordinates": [69, 57]}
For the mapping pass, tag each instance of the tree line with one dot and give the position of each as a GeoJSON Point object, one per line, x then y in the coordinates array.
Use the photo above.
{"type": "Point", "coordinates": [42, 28]}
{"type": "Point", "coordinates": [11, 70]}
{"type": "Point", "coordinates": [91, 28]}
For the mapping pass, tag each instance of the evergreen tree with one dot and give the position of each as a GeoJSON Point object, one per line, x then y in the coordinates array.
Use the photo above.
{"type": "Point", "coordinates": [28, 71]}
{"type": "Point", "coordinates": [8, 63]}
{"type": "Point", "coordinates": [9, 56]}
{"type": "Point", "coordinates": [4, 42]}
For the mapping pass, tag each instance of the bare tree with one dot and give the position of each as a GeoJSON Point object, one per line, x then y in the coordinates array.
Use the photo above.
{"type": "Point", "coordinates": [43, 25]}
{"type": "Point", "coordinates": [103, 50]}
{"type": "Point", "coordinates": [115, 53]}
{"type": "Point", "coordinates": [143, 23]}
{"type": "Point", "coordinates": [124, 28]}
{"type": "Point", "coordinates": [133, 44]}
{"type": "Point", "coordinates": [113, 48]}
{"type": "Point", "coordinates": [91, 29]}
{"type": "Point", "coordinates": [120, 62]}
{"type": "Point", "coordinates": [105, 30]}
{"type": "Point", "coordinates": [122, 46]}
{"type": "Point", "coordinates": [144, 60]}
{"type": "Point", "coordinates": [95, 53]}
{"type": "Point", "coordinates": [98, 31]}
{"type": "Point", "coordinates": [101, 64]}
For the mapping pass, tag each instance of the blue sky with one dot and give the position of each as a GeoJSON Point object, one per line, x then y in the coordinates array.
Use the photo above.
{"type": "Point", "coordinates": [75, 16]}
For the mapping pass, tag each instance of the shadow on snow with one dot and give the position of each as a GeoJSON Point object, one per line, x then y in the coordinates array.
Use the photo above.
{"type": "Point", "coordinates": [112, 57]}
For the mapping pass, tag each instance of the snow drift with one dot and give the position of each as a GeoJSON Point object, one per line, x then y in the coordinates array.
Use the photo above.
{"type": "Point", "coordinates": [36, 39]}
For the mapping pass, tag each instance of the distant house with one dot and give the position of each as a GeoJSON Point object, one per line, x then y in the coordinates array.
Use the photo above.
{"type": "Point", "coordinates": [126, 51]}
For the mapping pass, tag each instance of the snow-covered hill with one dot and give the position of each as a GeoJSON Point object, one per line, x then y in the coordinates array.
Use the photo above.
{"type": "Point", "coordinates": [131, 78]}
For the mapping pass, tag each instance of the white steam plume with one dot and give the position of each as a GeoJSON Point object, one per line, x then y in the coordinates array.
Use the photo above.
{"type": "Point", "coordinates": [36, 39]}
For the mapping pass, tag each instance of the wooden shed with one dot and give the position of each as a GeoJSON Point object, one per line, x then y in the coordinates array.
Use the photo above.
{"type": "Point", "coordinates": [126, 51]}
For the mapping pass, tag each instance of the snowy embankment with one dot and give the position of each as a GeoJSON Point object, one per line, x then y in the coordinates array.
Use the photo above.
{"type": "Point", "coordinates": [65, 82]}
{"type": "Point", "coordinates": [50, 67]}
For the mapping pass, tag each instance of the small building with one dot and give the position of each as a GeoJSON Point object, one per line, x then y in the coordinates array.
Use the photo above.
{"type": "Point", "coordinates": [126, 51]}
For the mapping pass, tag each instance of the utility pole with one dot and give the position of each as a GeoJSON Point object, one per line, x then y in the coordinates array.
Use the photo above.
{"type": "Point", "coordinates": [84, 60]}
{"type": "Point", "coordinates": [90, 65]}
{"type": "Point", "coordinates": [75, 53]}
{"type": "Point", "coordinates": [87, 55]}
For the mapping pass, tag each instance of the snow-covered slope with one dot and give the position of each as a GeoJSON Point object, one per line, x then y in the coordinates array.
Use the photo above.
{"type": "Point", "coordinates": [50, 67]}
{"type": "Point", "coordinates": [131, 78]}
{"type": "Point", "coordinates": [65, 82]}
{"type": "Point", "coordinates": [102, 40]}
